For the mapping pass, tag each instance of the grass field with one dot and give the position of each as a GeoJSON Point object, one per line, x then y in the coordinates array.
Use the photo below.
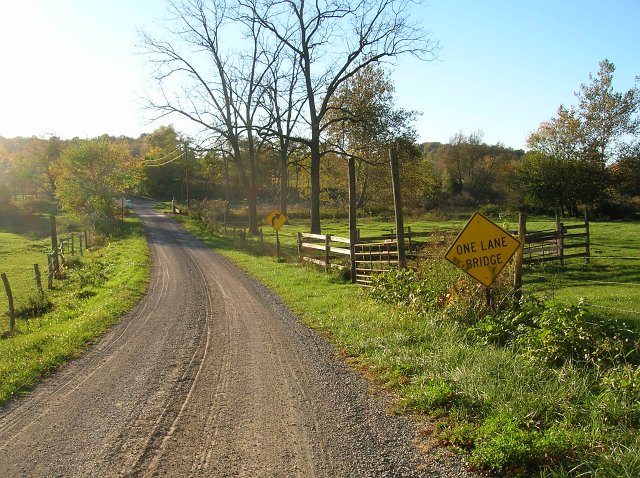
{"type": "Point", "coordinates": [95, 290]}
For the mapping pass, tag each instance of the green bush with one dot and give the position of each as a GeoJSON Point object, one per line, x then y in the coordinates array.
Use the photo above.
{"type": "Point", "coordinates": [558, 333]}
{"type": "Point", "coordinates": [584, 426]}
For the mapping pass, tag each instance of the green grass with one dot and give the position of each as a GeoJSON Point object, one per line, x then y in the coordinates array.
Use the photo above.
{"type": "Point", "coordinates": [612, 286]}
{"type": "Point", "coordinates": [96, 290]}
{"type": "Point", "coordinates": [609, 283]}
{"type": "Point", "coordinates": [513, 414]}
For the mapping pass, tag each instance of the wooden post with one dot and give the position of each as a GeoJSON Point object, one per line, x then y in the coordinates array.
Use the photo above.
{"type": "Point", "coordinates": [73, 244]}
{"type": "Point", "coordinates": [587, 243]}
{"type": "Point", "coordinates": [80, 244]}
{"type": "Point", "coordinates": [488, 294]}
{"type": "Point", "coordinates": [397, 204]}
{"type": "Point", "coordinates": [299, 245]}
{"type": "Point", "coordinates": [54, 244]}
{"type": "Point", "coordinates": [50, 274]}
{"type": "Point", "coordinates": [277, 246]}
{"type": "Point", "coordinates": [36, 270]}
{"type": "Point", "coordinates": [517, 275]}
{"type": "Point", "coordinates": [327, 251]}
{"type": "Point", "coordinates": [262, 242]}
{"type": "Point", "coordinates": [353, 231]}
{"type": "Point", "coordinates": [561, 243]}
{"type": "Point", "coordinates": [186, 175]}
{"type": "Point", "coordinates": [354, 237]}
{"type": "Point", "coordinates": [7, 288]}
{"type": "Point", "coordinates": [86, 240]}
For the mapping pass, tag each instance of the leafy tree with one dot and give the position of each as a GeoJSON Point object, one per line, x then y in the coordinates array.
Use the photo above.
{"type": "Point", "coordinates": [582, 141]}
{"type": "Point", "coordinates": [94, 172]}
{"type": "Point", "coordinates": [163, 168]}
{"type": "Point", "coordinates": [362, 123]}
{"type": "Point", "coordinates": [472, 171]}
{"type": "Point", "coordinates": [608, 118]}
{"type": "Point", "coordinates": [626, 172]}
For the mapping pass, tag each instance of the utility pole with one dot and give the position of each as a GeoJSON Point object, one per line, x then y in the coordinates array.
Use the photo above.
{"type": "Point", "coordinates": [186, 169]}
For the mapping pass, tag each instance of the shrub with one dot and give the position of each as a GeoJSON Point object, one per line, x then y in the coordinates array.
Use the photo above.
{"type": "Point", "coordinates": [558, 333]}
{"type": "Point", "coordinates": [37, 304]}
{"type": "Point", "coordinates": [211, 212]}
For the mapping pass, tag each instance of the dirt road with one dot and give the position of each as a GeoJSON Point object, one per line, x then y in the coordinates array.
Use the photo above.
{"type": "Point", "coordinates": [210, 375]}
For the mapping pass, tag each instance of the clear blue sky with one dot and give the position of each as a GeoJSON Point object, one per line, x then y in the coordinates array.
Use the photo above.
{"type": "Point", "coordinates": [70, 68]}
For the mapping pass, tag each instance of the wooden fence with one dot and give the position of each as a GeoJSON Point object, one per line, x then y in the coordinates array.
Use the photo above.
{"type": "Point", "coordinates": [324, 250]}
{"type": "Point", "coordinates": [557, 244]}
{"type": "Point", "coordinates": [366, 256]}
{"type": "Point", "coordinates": [374, 258]}
{"type": "Point", "coordinates": [374, 255]}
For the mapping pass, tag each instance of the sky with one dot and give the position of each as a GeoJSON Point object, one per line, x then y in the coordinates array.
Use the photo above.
{"type": "Point", "coordinates": [73, 68]}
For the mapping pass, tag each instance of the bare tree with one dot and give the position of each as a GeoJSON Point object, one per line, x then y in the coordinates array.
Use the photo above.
{"type": "Point", "coordinates": [283, 105]}
{"type": "Point", "coordinates": [213, 86]}
{"type": "Point", "coordinates": [332, 40]}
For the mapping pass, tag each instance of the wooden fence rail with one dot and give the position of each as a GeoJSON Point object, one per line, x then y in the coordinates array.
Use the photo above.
{"type": "Point", "coordinates": [320, 249]}
{"type": "Point", "coordinates": [374, 258]}
{"type": "Point", "coordinates": [373, 255]}
{"type": "Point", "coordinates": [553, 244]}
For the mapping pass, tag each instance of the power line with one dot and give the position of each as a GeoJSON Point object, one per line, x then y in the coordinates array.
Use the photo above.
{"type": "Point", "coordinates": [163, 157]}
{"type": "Point", "coordinates": [166, 162]}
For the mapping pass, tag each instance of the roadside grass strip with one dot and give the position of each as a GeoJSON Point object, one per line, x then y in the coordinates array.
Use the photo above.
{"type": "Point", "coordinates": [97, 289]}
{"type": "Point", "coordinates": [509, 411]}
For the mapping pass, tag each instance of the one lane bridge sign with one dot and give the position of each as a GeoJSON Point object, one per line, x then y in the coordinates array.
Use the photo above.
{"type": "Point", "coordinates": [482, 249]}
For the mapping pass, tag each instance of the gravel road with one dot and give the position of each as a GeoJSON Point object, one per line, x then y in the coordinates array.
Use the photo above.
{"type": "Point", "coordinates": [210, 375]}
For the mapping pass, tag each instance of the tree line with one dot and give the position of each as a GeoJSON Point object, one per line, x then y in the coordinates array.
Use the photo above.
{"type": "Point", "coordinates": [301, 92]}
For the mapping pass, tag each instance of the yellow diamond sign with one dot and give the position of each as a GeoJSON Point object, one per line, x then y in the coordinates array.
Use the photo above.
{"type": "Point", "coordinates": [276, 219]}
{"type": "Point", "coordinates": [482, 249]}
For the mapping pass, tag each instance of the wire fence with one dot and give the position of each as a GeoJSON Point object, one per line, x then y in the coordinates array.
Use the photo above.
{"type": "Point", "coordinates": [610, 284]}
{"type": "Point", "coordinates": [27, 277]}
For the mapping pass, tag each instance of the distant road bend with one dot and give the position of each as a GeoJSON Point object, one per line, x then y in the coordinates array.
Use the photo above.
{"type": "Point", "coordinates": [210, 375]}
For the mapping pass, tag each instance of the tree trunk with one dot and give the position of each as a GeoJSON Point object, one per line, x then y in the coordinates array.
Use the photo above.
{"type": "Point", "coordinates": [284, 182]}
{"type": "Point", "coordinates": [315, 187]}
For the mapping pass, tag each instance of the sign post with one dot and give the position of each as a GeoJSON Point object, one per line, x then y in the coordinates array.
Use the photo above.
{"type": "Point", "coordinates": [276, 220]}
{"type": "Point", "coordinates": [482, 249]}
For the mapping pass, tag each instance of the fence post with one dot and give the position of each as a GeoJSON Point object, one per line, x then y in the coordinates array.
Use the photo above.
{"type": "Point", "coordinates": [262, 242]}
{"type": "Point", "coordinates": [587, 244]}
{"type": "Point", "coordinates": [397, 205]}
{"type": "Point", "coordinates": [36, 270]}
{"type": "Point", "coordinates": [73, 244]}
{"type": "Point", "coordinates": [80, 244]}
{"type": "Point", "coordinates": [86, 240]}
{"type": "Point", "coordinates": [299, 246]}
{"type": "Point", "coordinates": [50, 274]}
{"type": "Point", "coordinates": [54, 244]}
{"type": "Point", "coordinates": [353, 238]}
{"type": "Point", "coordinates": [561, 248]}
{"type": "Point", "coordinates": [7, 288]}
{"type": "Point", "coordinates": [327, 250]}
{"type": "Point", "coordinates": [517, 276]}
